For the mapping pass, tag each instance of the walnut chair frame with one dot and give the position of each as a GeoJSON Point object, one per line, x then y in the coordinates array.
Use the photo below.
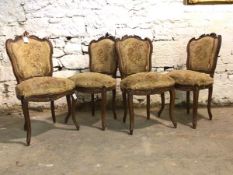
{"type": "Point", "coordinates": [195, 89]}
{"type": "Point", "coordinates": [40, 98]}
{"type": "Point", "coordinates": [127, 94]}
{"type": "Point", "coordinates": [103, 90]}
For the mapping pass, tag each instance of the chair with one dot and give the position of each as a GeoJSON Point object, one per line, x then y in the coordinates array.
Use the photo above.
{"type": "Point", "coordinates": [201, 63]}
{"type": "Point", "coordinates": [101, 78]}
{"type": "Point", "coordinates": [134, 56]}
{"type": "Point", "coordinates": [31, 59]}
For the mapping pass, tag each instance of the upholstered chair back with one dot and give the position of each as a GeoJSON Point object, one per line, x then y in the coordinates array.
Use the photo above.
{"type": "Point", "coordinates": [203, 53]}
{"type": "Point", "coordinates": [30, 59]}
{"type": "Point", "coordinates": [102, 55]}
{"type": "Point", "coordinates": [134, 55]}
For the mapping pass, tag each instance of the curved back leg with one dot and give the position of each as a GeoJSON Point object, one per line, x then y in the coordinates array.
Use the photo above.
{"type": "Point", "coordinates": [114, 103]}
{"type": "Point", "coordinates": [162, 104]}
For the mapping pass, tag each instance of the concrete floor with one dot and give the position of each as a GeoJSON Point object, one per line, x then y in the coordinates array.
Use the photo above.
{"type": "Point", "coordinates": [155, 148]}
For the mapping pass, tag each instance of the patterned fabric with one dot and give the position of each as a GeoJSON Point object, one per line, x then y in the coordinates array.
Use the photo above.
{"type": "Point", "coordinates": [202, 53]}
{"type": "Point", "coordinates": [103, 56]}
{"type": "Point", "coordinates": [93, 80]}
{"type": "Point", "coordinates": [146, 81]}
{"type": "Point", "coordinates": [30, 59]}
{"type": "Point", "coordinates": [134, 55]}
{"type": "Point", "coordinates": [188, 77]}
{"type": "Point", "coordinates": [40, 86]}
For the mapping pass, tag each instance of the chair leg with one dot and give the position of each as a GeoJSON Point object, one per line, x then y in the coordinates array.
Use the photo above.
{"type": "Point", "coordinates": [209, 102]}
{"type": "Point", "coordinates": [69, 106]}
{"type": "Point", "coordinates": [188, 101]}
{"type": "Point", "coordinates": [148, 107]}
{"type": "Point", "coordinates": [27, 125]}
{"type": "Point", "coordinates": [124, 96]}
{"type": "Point", "coordinates": [93, 104]}
{"type": "Point", "coordinates": [131, 112]}
{"type": "Point", "coordinates": [195, 106]}
{"type": "Point", "coordinates": [73, 105]}
{"type": "Point", "coordinates": [171, 107]}
{"type": "Point", "coordinates": [114, 103]}
{"type": "Point", "coordinates": [53, 112]}
{"type": "Point", "coordinates": [162, 104]}
{"type": "Point", "coordinates": [103, 106]}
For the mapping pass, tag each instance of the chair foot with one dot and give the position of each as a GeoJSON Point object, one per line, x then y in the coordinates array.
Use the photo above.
{"type": "Point", "coordinates": [28, 142]}
{"type": "Point", "coordinates": [194, 126]}
{"type": "Point", "coordinates": [175, 125]}
{"type": "Point", "coordinates": [130, 132]}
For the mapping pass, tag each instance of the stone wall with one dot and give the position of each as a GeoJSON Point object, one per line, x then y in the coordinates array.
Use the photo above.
{"type": "Point", "coordinates": [72, 24]}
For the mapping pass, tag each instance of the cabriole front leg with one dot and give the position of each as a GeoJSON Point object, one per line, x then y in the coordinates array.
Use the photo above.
{"type": "Point", "coordinates": [171, 107]}
{"type": "Point", "coordinates": [131, 112]}
{"type": "Point", "coordinates": [124, 96]}
{"type": "Point", "coordinates": [209, 102]}
{"type": "Point", "coordinates": [73, 113]}
{"type": "Point", "coordinates": [103, 107]}
{"type": "Point", "coordinates": [195, 106]}
{"type": "Point", "coordinates": [27, 125]}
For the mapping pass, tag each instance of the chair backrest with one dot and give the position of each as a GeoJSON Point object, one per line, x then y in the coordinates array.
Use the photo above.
{"type": "Point", "coordinates": [134, 54]}
{"type": "Point", "coordinates": [30, 59]}
{"type": "Point", "coordinates": [202, 53]}
{"type": "Point", "coordinates": [102, 54]}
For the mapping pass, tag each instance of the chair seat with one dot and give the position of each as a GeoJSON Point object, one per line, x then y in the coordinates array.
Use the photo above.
{"type": "Point", "coordinates": [192, 78]}
{"type": "Point", "coordinates": [93, 80]}
{"type": "Point", "coordinates": [42, 86]}
{"type": "Point", "coordinates": [147, 81]}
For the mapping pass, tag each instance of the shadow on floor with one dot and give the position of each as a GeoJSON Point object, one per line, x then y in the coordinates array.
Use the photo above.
{"type": "Point", "coordinates": [11, 126]}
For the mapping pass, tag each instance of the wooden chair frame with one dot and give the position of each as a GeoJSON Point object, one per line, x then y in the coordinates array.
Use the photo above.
{"type": "Point", "coordinates": [103, 90]}
{"type": "Point", "coordinates": [44, 98]}
{"type": "Point", "coordinates": [127, 94]}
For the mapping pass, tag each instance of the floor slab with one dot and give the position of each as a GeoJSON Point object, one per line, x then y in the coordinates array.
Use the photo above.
{"type": "Point", "coordinates": [155, 148]}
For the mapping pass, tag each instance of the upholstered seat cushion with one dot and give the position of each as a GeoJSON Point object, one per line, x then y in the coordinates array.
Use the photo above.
{"type": "Point", "coordinates": [93, 80]}
{"type": "Point", "coordinates": [188, 77]}
{"type": "Point", "coordinates": [40, 86]}
{"type": "Point", "coordinates": [147, 81]}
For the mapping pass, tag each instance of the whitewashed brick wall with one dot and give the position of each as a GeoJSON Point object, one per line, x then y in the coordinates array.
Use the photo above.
{"type": "Point", "coordinates": [72, 24]}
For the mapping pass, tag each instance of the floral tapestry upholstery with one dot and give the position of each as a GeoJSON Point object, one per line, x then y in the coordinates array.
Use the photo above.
{"type": "Point", "coordinates": [93, 80]}
{"type": "Point", "coordinates": [41, 86]}
{"type": "Point", "coordinates": [202, 53]}
{"type": "Point", "coordinates": [192, 78]}
{"type": "Point", "coordinates": [146, 81]}
{"type": "Point", "coordinates": [103, 56]}
{"type": "Point", "coordinates": [31, 59]}
{"type": "Point", "coordinates": [134, 55]}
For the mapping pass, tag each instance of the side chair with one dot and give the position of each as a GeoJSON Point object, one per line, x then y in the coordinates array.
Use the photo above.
{"type": "Point", "coordinates": [202, 55]}
{"type": "Point", "coordinates": [101, 78]}
{"type": "Point", "coordinates": [31, 59]}
{"type": "Point", "coordinates": [134, 59]}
